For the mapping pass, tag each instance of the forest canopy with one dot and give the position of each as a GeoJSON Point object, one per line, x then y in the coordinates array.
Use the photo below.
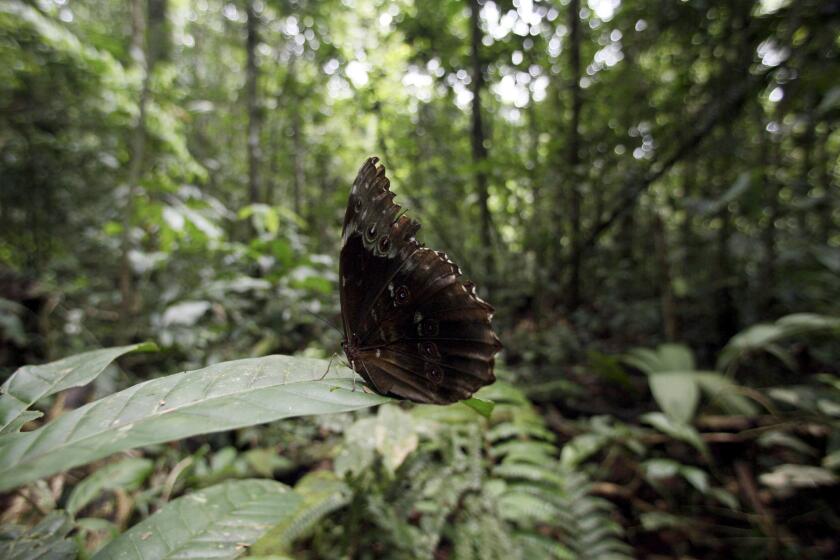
{"type": "Point", "coordinates": [646, 191]}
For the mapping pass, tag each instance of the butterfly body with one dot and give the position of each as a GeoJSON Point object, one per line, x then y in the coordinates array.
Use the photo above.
{"type": "Point", "coordinates": [413, 329]}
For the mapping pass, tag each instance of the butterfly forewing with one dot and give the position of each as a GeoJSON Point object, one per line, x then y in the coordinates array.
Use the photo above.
{"type": "Point", "coordinates": [413, 329]}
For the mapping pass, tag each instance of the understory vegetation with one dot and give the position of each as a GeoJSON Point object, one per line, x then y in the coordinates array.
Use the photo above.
{"type": "Point", "coordinates": [646, 191]}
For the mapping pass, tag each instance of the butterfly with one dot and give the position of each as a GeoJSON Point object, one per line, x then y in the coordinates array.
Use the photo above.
{"type": "Point", "coordinates": [412, 328]}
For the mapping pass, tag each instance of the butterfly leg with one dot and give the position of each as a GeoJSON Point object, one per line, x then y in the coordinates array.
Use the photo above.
{"type": "Point", "coordinates": [329, 365]}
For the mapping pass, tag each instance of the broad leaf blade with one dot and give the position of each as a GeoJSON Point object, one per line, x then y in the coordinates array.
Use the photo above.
{"type": "Point", "coordinates": [763, 336]}
{"type": "Point", "coordinates": [677, 430]}
{"type": "Point", "coordinates": [127, 474]}
{"type": "Point", "coordinates": [727, 394]}
{"type": "Point", "coordinates": [321, 492]}
{"type": "Point", "coordinates": [220, 397]}
{"type": "Point", "coordinates": [45, 540]}
{"type": "Point", "coordinates": [481, 406]}
{"type": "Point", "coordinates": [391, 435]}
{"type": "Point", "coordinates": [21, 419]}
{"type": "Point", "coordinates": [218, 522]}
{"type": "Point", "coordinates": [666, 357]}
{"type": "Point", "coordinates": [31, 383]}
{"type": "Point", "coordinates": [676, 393]}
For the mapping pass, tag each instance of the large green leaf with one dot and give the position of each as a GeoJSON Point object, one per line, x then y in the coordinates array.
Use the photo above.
{"type": "Point", "coordinates": [725, 393]}
{"type": "Point", "coordinates": [218, 522]}
{"type": "Point", "coordinates": [220, 397]}
{"type": "Point", "coordinates": [45, 540]}
{"type": "Point", "coordinates": [321, 492]}
{"type": "Point", "coordinates": [31, 383]}
{"type": "Point", "coordinates": [670, 371]}
{"type": "Point", "coordinates": [666, 357]}
{"type": "Point", "coordinates": [391, 434]}
{"type": "Point", "coordinates": [481, 406]}
{"type": "Point", "coordinates": [676, 394]}
{"type": "Point", "coordinates": [677, 430]}
{"type": "Point", "coordinates": [127, 474]}
{"type": "Point", "coordinates": [763, 336]}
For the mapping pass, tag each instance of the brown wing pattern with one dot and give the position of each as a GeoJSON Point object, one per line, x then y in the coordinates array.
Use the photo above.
{"type": "Point", "coordinates": [413, 328]}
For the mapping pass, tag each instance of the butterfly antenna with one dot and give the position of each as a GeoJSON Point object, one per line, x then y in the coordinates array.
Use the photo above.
{"type": "Point", "coordinates": [326, 322]}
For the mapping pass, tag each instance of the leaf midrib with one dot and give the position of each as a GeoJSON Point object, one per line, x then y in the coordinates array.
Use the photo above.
{"type": "Point", "coordinates": [28, 459]}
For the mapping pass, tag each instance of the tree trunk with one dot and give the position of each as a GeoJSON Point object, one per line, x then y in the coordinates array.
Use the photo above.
{"type": "Point", "coordinates": [726, 313]}
{"type": "Point", "coordinates": [538, 235]}
{"type": "Point", "coordinates": [666, 292]}
{"type": "Point", "coordinates": [252, 100]}
{"type": "Point", "coordinates": [767, 153]}
{"type": "Point", "coordinates": [804, 183]}
{"type": "Point", "coordinates": [271, 183]}
{"type": "Point", "coordinates": [829, 191]}
{"type": "Point", "coordinates": [626, 250]}
{"type": "Point", "coordinates": [687, 238]}
{"type": "Point", "coordinates": [138, 53]}
{"type": "Point", "coordinates": [159, 34]}
{"type": "Point", "coordinates": [479, 150]}
{"type": "Point", "coordinates": [298, 152]}
{"type": "Point", "coordinates": [573, 158]}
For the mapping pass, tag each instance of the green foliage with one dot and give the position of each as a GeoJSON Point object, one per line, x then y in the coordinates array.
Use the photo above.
{"type": "Point", "coordinates": [127, 474]}
{"type": "Point", "coordinates": [321, 493]}
{"type": "Point", "coordinates": [29, 384]}
{"type": "Point", "coordinates": [789, 465]}
{"type": "Point", "coordinates": [480, 488]}
{"type": "Point", "coordinates": [481, 406]}
{"type": "Point", "coordinates": [46, 539]}
{"type": "Point", "coordinates": [221, 397]}
{"type": "Point", "coordinates": [676, 385]}
{"type": "Point", "coordinates": [184, 207]}
{"type": "Point", "coordinates": [391, 436]}
{"type": "Point", "coordinates": [601, 432]}
{"type": "Point", "coordinates": [765, 337]}
{"type": "Point", "coordinates": [221, 522]}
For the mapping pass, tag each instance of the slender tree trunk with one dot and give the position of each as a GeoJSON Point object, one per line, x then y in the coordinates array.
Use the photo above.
{"type": "Point", "coordinates": [537, 235]}
{"type": "Point", "coordinates": [273, 173]}
{"type": "Point", "coordinates": [291, 90]}
{"type": "Point", "coordinates": [767, 153]}
{"type": "Point", "coordinates": [727, 316]}
{"type": "Point", "coordinates": [830, 193]}
{"type": "Point", "coordinates": [159, 33]}
{"type": "Point", "coordinates": [689, 181]}
{"type": "Point", "coordinates": [726, 311]}
{"type": "Point", "coordinates": [576, 259]}
{"type": "Point", "coordinates": [666, 291]}
{"type": "Point", "coordinates": [479, 149]}
{"type": "Point", "coordinates": [252, 100]}
{"type": "Point", "coordinates": [627, 252]}
{"type": "Point", "coordinates": [804, 183]}
{"type": "Point", "coordinates": [135, 170]}
{"type": "Point", "coordinates": [298, 154]}
{"type": "Point", "coordinates": [138, 33]}
{"type": "Point", "coordinates": [557, 214]}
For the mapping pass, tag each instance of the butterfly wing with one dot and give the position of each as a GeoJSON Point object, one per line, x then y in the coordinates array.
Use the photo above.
{"type": "Point", "coordinates": [415, 329]}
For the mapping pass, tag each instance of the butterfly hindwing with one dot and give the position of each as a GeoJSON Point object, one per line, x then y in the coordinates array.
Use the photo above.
{"type": "Point", "coordinates": [413, 329]}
